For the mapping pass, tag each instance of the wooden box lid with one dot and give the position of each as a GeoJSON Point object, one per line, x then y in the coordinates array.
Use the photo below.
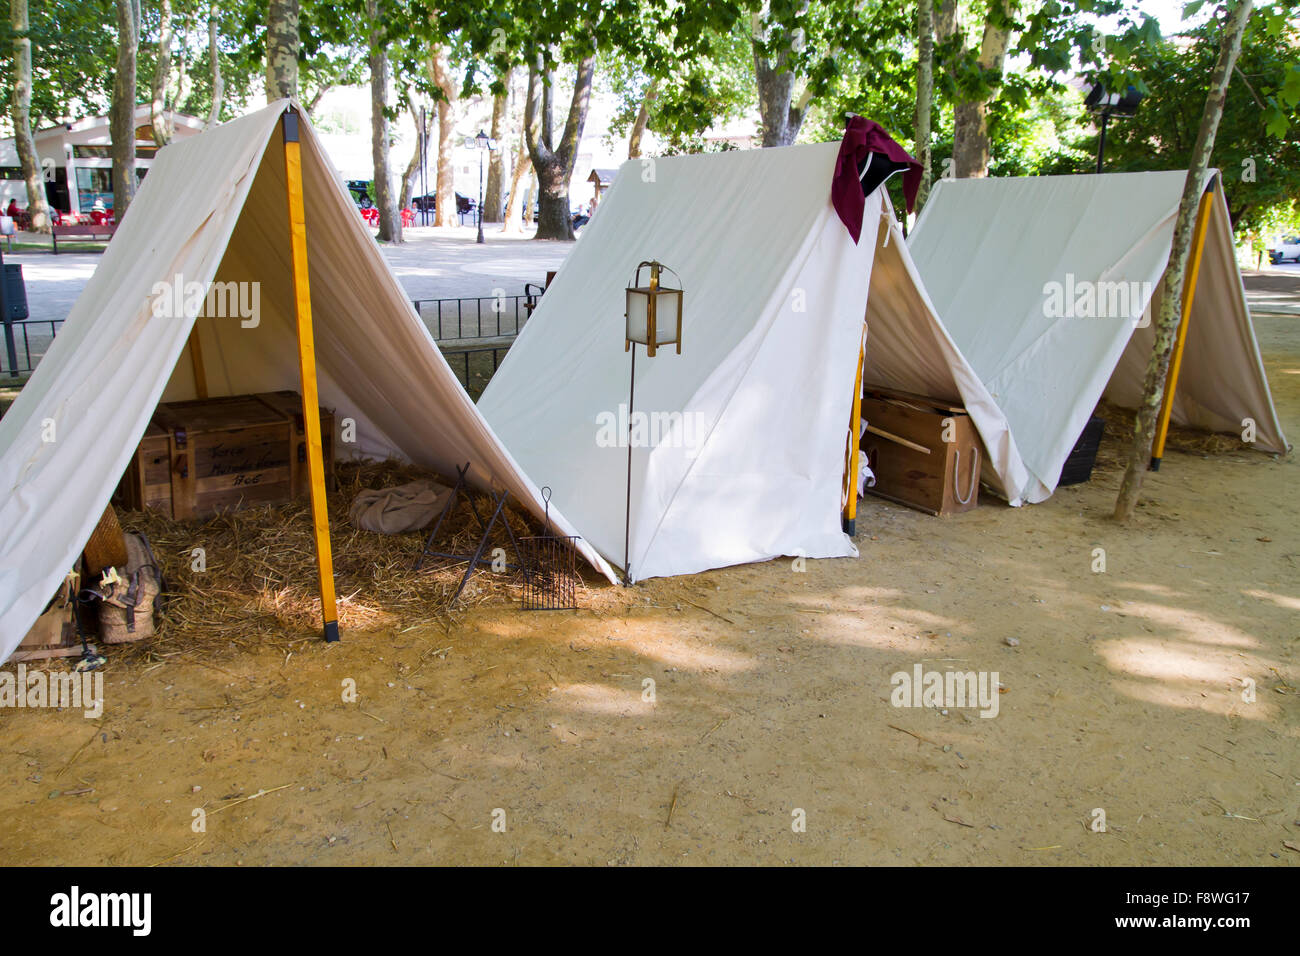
{"type": "Point", "coordinates": [205, 415]}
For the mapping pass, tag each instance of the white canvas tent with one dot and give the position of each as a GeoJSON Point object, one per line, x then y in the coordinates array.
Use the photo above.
{"type": "Point", "coordinates": [214, 207]}
{"type": "Point", "coordinates": [994, 255]}
{"type": "Point", "coordinates": [757, 407]}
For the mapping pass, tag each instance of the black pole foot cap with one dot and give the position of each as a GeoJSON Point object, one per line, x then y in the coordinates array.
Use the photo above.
{"type": "Point", "coordinates": [850, 526]}
{"type": "Point", "coordinates": [331, 632]}
{"type": "Point", "coordinates": [1155, 464]}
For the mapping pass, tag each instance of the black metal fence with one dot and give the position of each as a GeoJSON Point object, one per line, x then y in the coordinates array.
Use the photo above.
{"type": "Point", "coordinates": [474, 367]}
{"type": "Point", "coordinates": [466, 318]}
{"type": "Point", "coordinates": [475, 317]}
{"type": "Point", "coordinates": [25, 342]}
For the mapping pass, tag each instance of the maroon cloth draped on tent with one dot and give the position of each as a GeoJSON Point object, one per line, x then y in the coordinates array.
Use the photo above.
{"type": "Point", "coordinates": [868, 157]}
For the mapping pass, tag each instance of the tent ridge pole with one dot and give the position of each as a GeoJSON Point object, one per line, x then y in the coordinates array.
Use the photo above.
{"type": "Point", "coordinates": [1189, 294]}
{"type": "Point", "coordinates": [307, 372]}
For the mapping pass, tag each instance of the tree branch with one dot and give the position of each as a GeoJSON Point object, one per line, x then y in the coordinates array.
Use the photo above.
{"type": "Point", "coordinates": [538, 150]}
{"type": "Point", "coordinates": [577, 110]}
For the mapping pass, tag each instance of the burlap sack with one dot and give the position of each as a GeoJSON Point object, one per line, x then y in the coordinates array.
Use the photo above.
{"type": "Point", "coordinates": [407, 507]}
{"type": "Point", "coordinates": [126, 611]}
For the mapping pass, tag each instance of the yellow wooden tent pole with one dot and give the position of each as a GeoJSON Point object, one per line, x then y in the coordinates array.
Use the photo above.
{"type": "Point", "coordinates": [1180, 342]}
{"type": "Point", "coordinates": [307, 373]}
{"type": "Point", "coordinates": [851, 454]}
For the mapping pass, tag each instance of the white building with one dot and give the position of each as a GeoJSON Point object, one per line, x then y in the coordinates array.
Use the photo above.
{"type": "Point", "coordinates": [77, 161]}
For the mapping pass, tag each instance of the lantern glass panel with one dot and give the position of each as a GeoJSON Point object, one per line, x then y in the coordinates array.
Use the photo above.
{"type": "Point", "coordinates": [667, 308]}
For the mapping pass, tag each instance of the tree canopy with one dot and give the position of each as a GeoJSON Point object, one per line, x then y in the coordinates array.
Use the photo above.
{"type": "Point", "coordinates": [1010, 73]}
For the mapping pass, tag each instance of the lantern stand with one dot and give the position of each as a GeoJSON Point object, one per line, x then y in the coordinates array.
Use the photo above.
{"type": "Point", "coordinates": [642, 315]}
{"type": "Point", "coordinates": [627, 507]}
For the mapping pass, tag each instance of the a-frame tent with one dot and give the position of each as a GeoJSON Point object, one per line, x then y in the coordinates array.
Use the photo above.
{"type": "Point", "coordinates": [1043, 283]}
{"type": "Point", "coordinates": [758, 404]}
{"type": "Point", "coordinates": [216, 207]}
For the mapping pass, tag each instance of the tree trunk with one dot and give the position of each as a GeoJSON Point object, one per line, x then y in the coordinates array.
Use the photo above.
{"type": "Point", "coordinates": [162, 75]}
{"type": "Point", "coordinates": [946, 19]}
{"type": "Point", "coordinates": [184, 86]}
{"type": "Point", "coordinates": [310, 106]}
{"type": "Point", "coordinates": [37, 206]}
{"type": "Point", "coordinates": [1171, 288]}
{"type": "Point", "coordinates": [122, 110]}
{"type": "Point", "coordinates": [445, 202]}
{"type": "Point", "coordinates": [515, 210]}
{"type": "Point", "coordinates": [413, 167]}
{"type": "Point", "coordinates": [445, 172]}
{"type": "Point", "coordinates": [780, 111]}
{"type": "Point", "coordinates": [281, 49]}
{"type": "Point", "coordinates": [496, 163]}
{"type": "Point", "coordinates": [924, 95]}
{"type": "Point", "coordinates": [214, 65]}
{"type": "Point", "coordinates": [530, 197]}
{"type": "Point", "coordinates": [521, 174]}
{"type": "Point", "coordinates": [554, 163]}
{"type": "Point", "coordinates": [970, 153]}
{"type": "Point", "coordinates": [390, 223]}
{"type": "Point", "coordinates": [554, 218]}
{"type": "Point", "coordinates": [642, 120]}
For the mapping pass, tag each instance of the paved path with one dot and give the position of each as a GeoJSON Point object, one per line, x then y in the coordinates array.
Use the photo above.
{"type": "Point", "coordinates": [1274, 289]}
{"type": "Point", "coordinates": [432, 264]}
{"type": "Point", "coordinates": [444, 263]}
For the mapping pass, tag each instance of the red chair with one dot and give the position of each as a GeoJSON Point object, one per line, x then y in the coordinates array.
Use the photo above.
{"type": "Point", "coordinates": [408, 217]}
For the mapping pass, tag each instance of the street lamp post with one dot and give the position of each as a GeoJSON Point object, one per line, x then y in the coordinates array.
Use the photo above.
{"type": "Point", "coordinates": [1107, 105]}
{"type": "Point", "coordinates": [484, 144]}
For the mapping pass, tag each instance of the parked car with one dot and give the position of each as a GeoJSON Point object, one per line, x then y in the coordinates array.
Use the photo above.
{"type": "Point", "coordinates": [428, 203]}
{"type": "Point", "coordinates": [360, 190]}
{"type": "Point", "coordinates": [1284, 249]}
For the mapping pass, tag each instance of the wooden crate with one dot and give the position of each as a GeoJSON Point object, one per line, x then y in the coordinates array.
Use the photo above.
{"type": "Point", "coordinates": [289, 404]}
{"type": "Point", "coordinates": [53, 635]}
{"type": "Point", "coordinates": [147, 482]}
{"type": "Point", "coordinates": [922, 471]}
{"type": "Point", "coordinates": [201, 457]}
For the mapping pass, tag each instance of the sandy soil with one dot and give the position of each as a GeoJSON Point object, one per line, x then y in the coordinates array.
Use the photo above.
{"type": "Point", "coordinates": [771, 695]}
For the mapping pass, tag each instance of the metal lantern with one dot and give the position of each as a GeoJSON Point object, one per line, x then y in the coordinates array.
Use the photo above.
{"type": "Point", "coordinates": [654, 311]}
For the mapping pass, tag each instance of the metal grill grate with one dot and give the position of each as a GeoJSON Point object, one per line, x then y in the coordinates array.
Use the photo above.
{"type": "Point", "coordinates": [550, 568]}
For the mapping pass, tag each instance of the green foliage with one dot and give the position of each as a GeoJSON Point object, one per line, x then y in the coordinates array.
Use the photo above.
{"type": "Point", "coordinates": [1257, 148]}
{"type": "Point", "coordinates": [73, 48]}
{"type": "Point", "coordinates": [714, 88]}
{"type": "Point", "coordinates": [852, 56]}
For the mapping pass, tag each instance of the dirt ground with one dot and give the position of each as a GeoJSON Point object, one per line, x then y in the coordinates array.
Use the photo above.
{"type": "Point", "coordinates": [771, 696]}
